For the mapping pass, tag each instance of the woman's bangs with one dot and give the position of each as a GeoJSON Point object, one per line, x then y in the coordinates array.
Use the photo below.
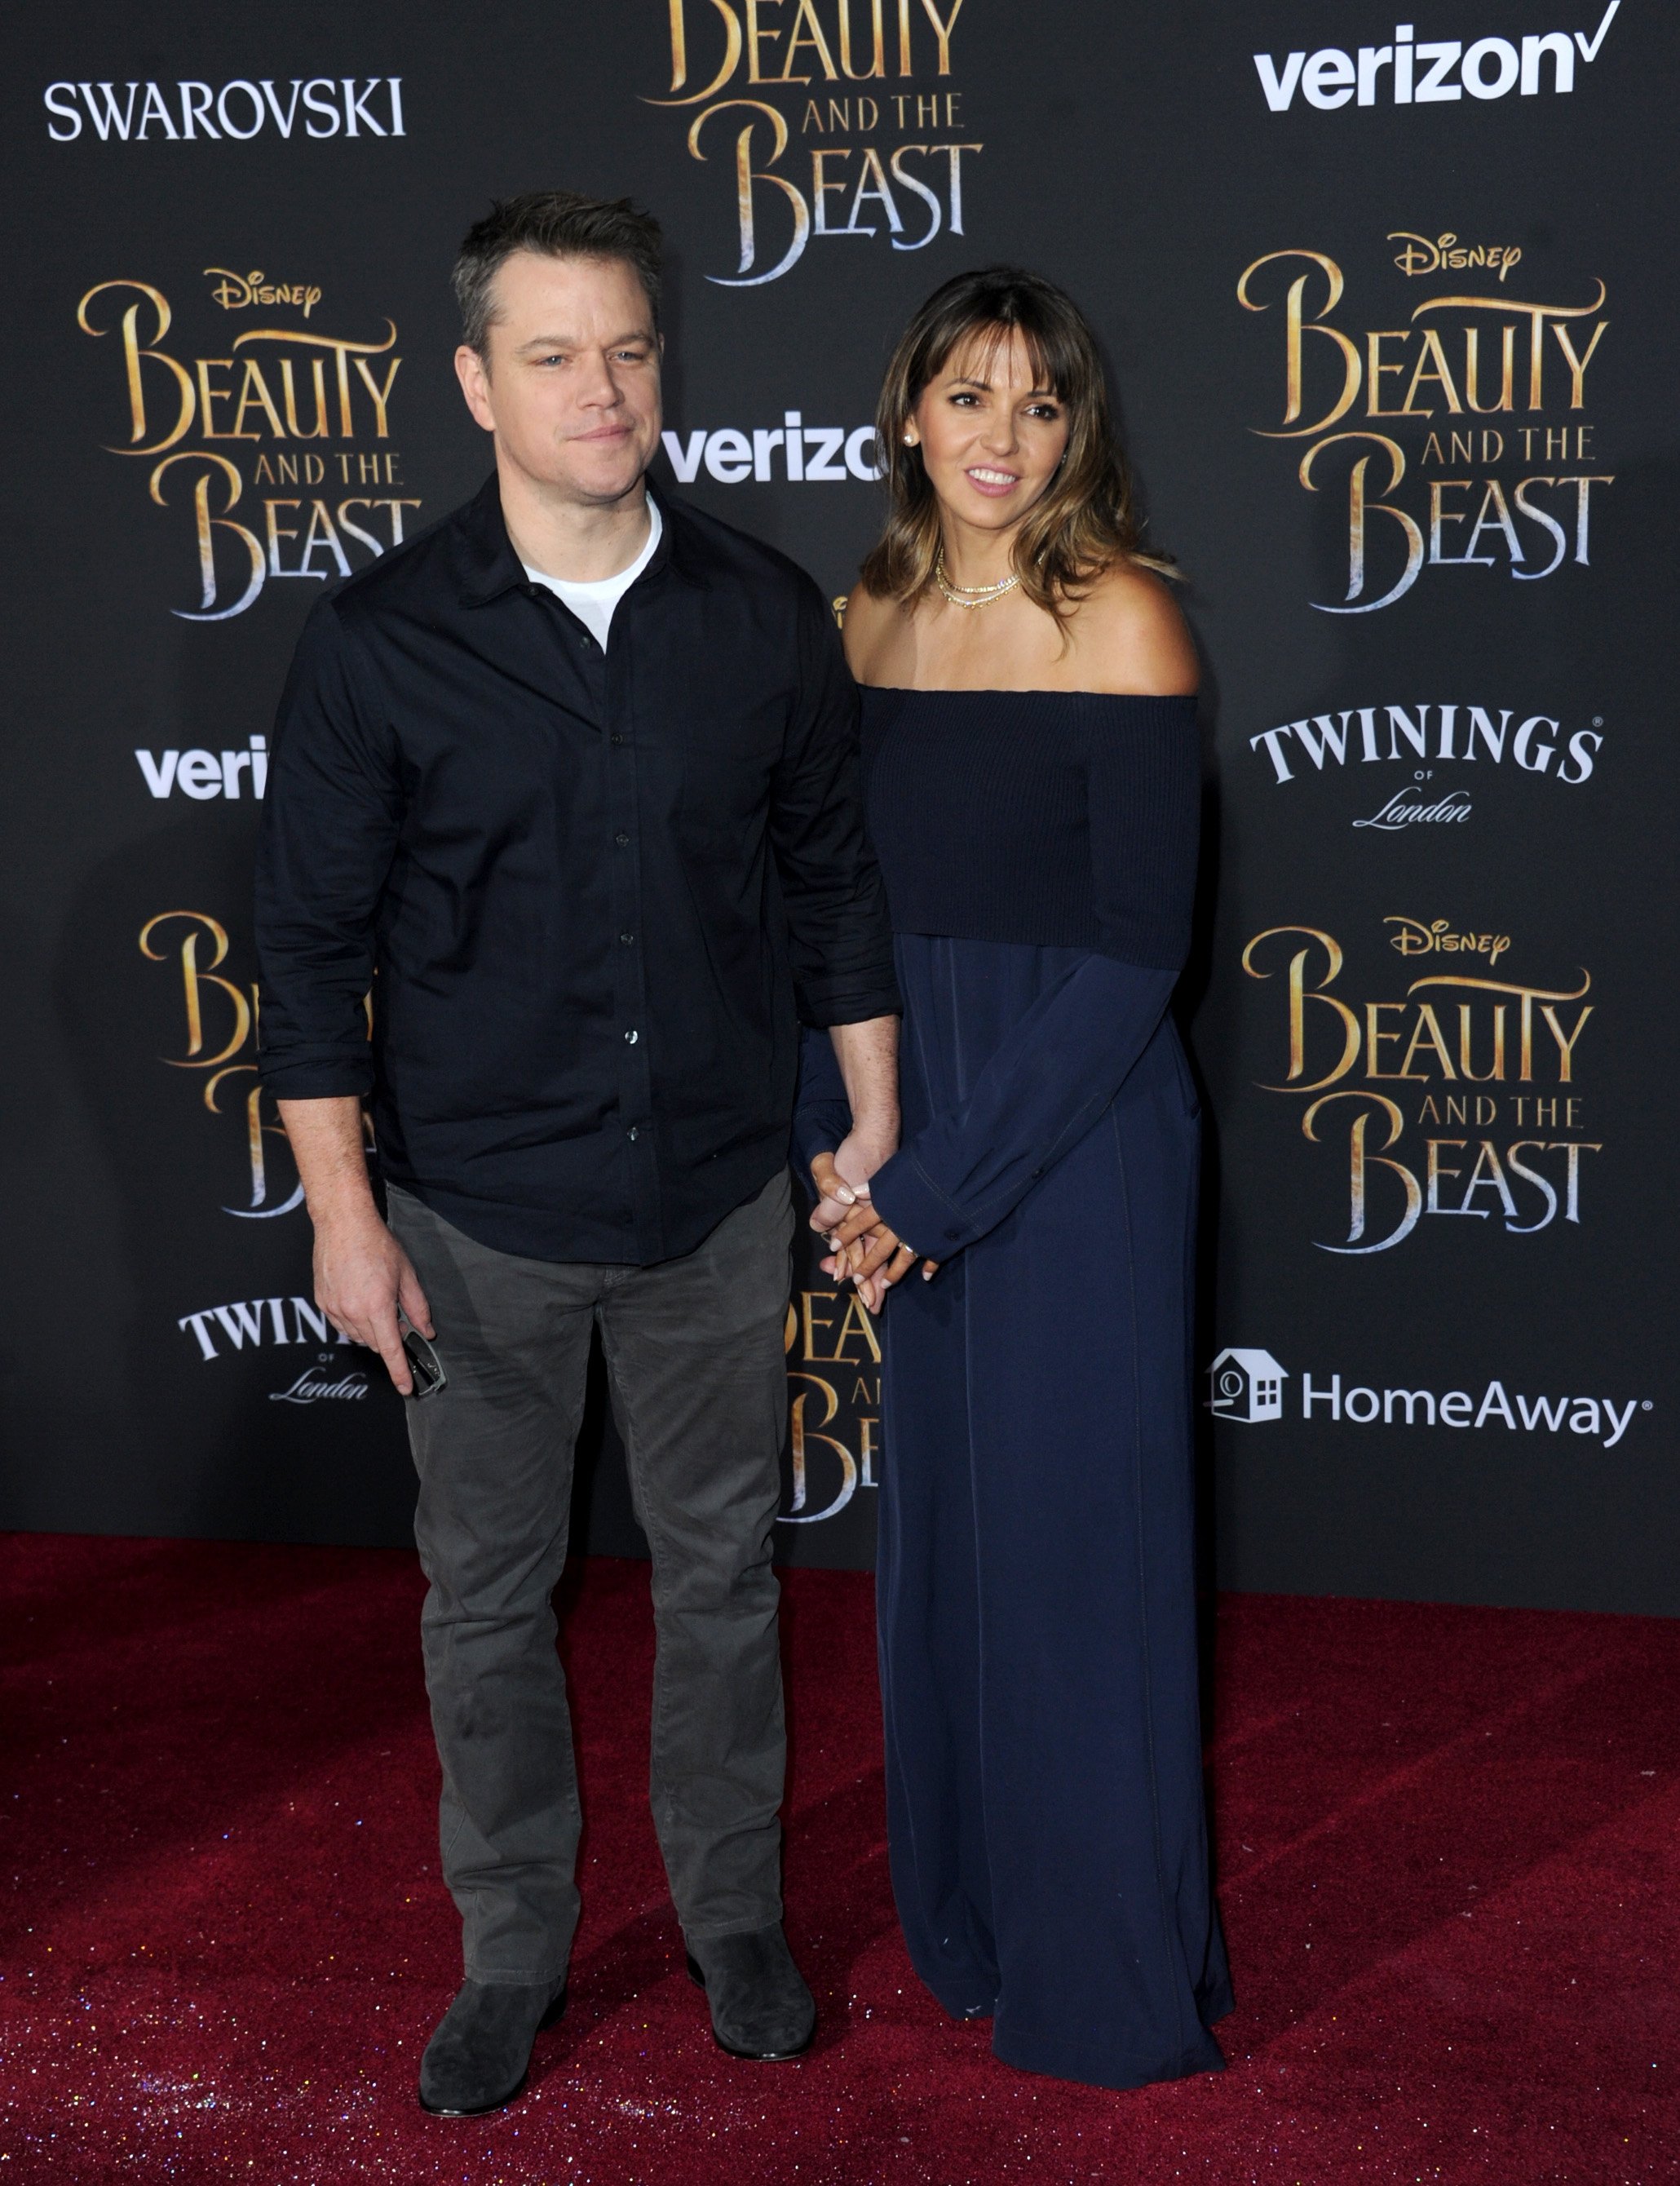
{"type": "Point", "coordinates": [980, 337]}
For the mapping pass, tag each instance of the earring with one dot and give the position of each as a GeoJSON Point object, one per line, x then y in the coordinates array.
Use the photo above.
{"type": "Point", "coordinates": [909, 441]}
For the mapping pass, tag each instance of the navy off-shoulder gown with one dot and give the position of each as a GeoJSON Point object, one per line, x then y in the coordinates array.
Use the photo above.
{"type": "Point", "coordinates": [1037, 1608]}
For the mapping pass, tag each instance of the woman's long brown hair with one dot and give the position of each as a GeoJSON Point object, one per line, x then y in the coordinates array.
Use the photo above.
{"type": "Point", "coordinates": [1083, 523]}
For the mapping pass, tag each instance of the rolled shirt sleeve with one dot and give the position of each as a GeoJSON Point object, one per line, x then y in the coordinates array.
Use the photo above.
{"type": "Point", "coordinates": [330, 824]}
{"type": "Point", "coordinates": [840, 939]}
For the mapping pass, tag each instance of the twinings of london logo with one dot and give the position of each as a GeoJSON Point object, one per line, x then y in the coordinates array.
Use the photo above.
{"type": "Point", "coordinates": [1445, 751]}
{"type": "Point", "coordinates": [1458, 441]}
{"type": "Point", "coordinates": [274, 461]}
{"type": "Point", "coordinates": [1458, 1097]}
{"type": "Point", "coordinates": [867, 90]}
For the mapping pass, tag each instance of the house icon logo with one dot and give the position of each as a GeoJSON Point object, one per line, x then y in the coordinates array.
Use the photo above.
{"type": "Point", "coordinates": [1246, 1385]}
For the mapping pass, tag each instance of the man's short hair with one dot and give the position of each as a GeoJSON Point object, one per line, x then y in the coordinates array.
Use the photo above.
{"type": "Point", "coordinates": [556, 224]}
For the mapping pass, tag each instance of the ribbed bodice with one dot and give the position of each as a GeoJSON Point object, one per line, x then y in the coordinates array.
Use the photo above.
{"type": "Point", "coordinates": [1063, 818]}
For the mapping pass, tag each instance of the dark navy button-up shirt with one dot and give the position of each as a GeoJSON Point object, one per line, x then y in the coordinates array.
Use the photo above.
{"type": "Point", "coordinates": [599, 890]}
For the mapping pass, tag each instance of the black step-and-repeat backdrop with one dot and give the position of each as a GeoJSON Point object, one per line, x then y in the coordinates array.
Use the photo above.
{"type": "Point", "coordinates": [1390, 310]}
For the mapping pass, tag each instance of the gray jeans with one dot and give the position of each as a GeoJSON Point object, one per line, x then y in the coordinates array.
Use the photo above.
{"type": "Point", "coordinates": [694, 1356]}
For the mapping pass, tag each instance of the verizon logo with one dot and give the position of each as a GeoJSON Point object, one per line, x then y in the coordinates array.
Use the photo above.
{"type": "Point", "coordinates": [801, 454]}
{"type": "Point", "coordinates": [202, 774]}
{"type": "Point", "coordinates": [1423, 72]}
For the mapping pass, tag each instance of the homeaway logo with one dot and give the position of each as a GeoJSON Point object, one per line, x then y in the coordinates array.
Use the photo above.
{"type": "Point", "coordinates": [1421, 72]}
{"type": "Point", "coordinates": [793, 451]}
{"type": "Point", "coordinates": [1247, 1385]}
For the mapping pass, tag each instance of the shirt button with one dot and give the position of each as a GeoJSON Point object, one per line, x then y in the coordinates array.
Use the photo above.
{"type": "Point", "coordinates": [627, 939]}
{"type": "Point", "coordinates": [630, 1133]}
{"type": "Point", "coordinates": [617, 738]}
{"type": "Point", "coordinates": [632, 1036]}
{"type": "Point", "coordinates": [621, 838]}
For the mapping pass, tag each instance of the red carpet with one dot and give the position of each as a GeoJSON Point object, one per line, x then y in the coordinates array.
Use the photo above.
{"type": "Point", "coordinates": [1448, 1838]}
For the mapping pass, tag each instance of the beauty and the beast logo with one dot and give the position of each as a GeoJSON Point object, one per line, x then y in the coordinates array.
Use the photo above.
{"type": "Point", "coordinates": [1456, 1097]}
{"type": "Point", "coordinates": [882, 135]}
{"type": "Point", "coordinates": [218, 1023]}
{"type": "Point", "coordinates": [1399, 421]}
{"type": "Point", "coordinates": [834, 1404]}
{"type": "Point", "coordinates": [274, 462]}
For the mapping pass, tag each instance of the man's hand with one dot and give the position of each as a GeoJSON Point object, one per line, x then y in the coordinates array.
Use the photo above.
{"type": "Point", "coordinates": [362, 1276]}
{"type": "Point", "coordinates": [839, 1192]}
{"type": "Point", "coordinates": [836, 1197]}
{"type": "Point", "coordinates": [841, 1178]}
{"type": "Point", "coordinates": [867, 1054]}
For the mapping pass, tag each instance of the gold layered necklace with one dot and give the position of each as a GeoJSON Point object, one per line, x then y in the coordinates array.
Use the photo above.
{"type": "Point", "coordinates": [971, 595]}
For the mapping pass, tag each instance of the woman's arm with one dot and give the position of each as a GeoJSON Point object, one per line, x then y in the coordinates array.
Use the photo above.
{"type": "Point", "coordinates": [1037, 1096]}
{"type": "Point", "coordinates": [1068, 1058]}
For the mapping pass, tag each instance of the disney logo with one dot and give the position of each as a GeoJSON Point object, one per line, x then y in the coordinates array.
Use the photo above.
{"type": "Point", "coordinates": [238, 292]}
{"type": "Point", "coordinates": [1422, 256]}
{"type": "Point", "coordinates": [1414, 938]}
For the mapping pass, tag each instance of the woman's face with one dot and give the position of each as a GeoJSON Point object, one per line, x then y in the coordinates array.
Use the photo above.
{"type": "Point", "coordinates": [990, 435]}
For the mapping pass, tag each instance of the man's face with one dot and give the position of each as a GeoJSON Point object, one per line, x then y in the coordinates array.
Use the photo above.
{"type": "Point", "coordinates": [571, 385]}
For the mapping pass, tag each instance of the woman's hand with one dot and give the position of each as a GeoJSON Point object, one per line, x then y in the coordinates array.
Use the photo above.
{"type": "Point", "coordinates": [869, 1253]}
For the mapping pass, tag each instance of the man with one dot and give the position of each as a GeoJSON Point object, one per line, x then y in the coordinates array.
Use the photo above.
{"type": "Point", "coordinates": [575, 774]}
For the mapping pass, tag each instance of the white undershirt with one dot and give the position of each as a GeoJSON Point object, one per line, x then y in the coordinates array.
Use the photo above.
{"type": "Point", "coordinates": [593, 605]}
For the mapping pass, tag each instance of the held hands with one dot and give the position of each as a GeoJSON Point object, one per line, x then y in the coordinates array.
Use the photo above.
{"type": "Point", "coordinates": [362, 1278]}
{"type": "Point", "coordinates": [866, 1252]}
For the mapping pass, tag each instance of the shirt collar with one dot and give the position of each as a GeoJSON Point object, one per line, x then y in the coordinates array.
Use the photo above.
{"type": "Point", "coordinates": [489, 567]}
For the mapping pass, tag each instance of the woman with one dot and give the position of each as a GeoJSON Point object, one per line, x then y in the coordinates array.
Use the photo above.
{"type": "Point", "coordinates": [1032, 776]}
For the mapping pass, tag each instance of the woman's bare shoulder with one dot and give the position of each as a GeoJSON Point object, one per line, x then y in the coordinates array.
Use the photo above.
{"type": "Point", "coordinates": [872, 624]}
{"type": "Point", "coordinates": [1129, 635]}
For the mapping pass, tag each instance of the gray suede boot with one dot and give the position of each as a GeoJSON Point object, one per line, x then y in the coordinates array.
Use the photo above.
{"type": "Point", "coordinates": [761, 2008]}
{"type": "Point", "coordinates": [478, 2058]}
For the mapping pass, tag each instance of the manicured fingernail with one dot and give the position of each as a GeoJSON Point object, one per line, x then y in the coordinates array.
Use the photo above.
{"type": "Point", "coordinates": [927, 1275]}
{"type": "Point", "coordinates": [842, 1195]}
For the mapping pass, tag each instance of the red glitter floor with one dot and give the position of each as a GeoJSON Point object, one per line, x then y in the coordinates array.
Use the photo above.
{"type": "Point", "coordinates": [1448, 1838]}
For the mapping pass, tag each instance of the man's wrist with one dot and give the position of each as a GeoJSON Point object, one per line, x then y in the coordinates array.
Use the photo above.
{"type": "Point", "coordinates": [347, 1205]}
